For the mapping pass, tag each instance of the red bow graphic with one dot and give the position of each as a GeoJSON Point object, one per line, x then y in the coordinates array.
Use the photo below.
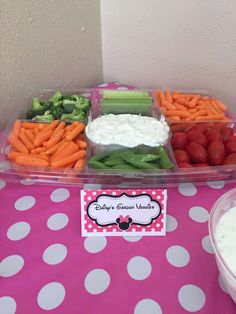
{"type": "Point", "coordinates": [124, 219]}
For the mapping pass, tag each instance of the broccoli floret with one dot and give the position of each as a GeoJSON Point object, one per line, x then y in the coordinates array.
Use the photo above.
{"type": "Point", "coordinates": [56, 98]}
{"type": "Point", "coordinates": [76, 115]}
{"type": "Point", "coordinates": [46, 117]}
{"type": "Point", "coordinates": [36, 105]}
{"type": "Point", "coordinates": [30, 114]}
{"type": "Point", "coordinates": [57, 112]}
{"type": "Point", "coordinates": [69, 105]}
{"type": "Point", "coordinates": [83, 103]}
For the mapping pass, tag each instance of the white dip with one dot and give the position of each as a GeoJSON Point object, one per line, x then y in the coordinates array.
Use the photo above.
{"type": "Point", "coordinates": [127, 130]}
{"type": "Point", "coordinates": [225, 235]}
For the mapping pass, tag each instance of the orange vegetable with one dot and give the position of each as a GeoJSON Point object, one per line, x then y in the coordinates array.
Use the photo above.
{"type": "Point", "coordinates": [194, 101]}
{"type": "Point", "coordinates": [210, 117]}
{"type": "Point", "coordinates": [52, 125]}
{"type": "Point", "coordinates": [36, 131]}
{"type": "Point", "coordinates": [24, 139]}
{"type": "Point", "coordinates": [75, 132]}
{"type": "Point", "coordinates": [54, 139]}
{"type": "Point", "coordinates": [168, 96]}
{"type": "Point", "coordinates": [30, 135]}
{"type": "Point", "coordinates": [42, 137]}
{"type": "Point", "coordinates": [29, 125]}
{"type": "Point", "coordinates": [181, 114]}
{"type": "Point", "coordinates": [54, 148]}
{"type": "Point", "coordinates": [17, 145]}
{"type": "Point", "coordinates": [168, 105]}
{"type": "Point", "coordinates": [82, 144]}
{"type": "Point", "coordinates": [69, 159]}
{"type": "Point", "coordinates": [79, 165]}
{"type": "Point", "coordinates": [28, 160]}
{"type": "Point", "coordinates": [65, 150]}
{"type": "Point", "coordinates": [16, 128]}
{"type": "Point", "coordinates": [194, 115]}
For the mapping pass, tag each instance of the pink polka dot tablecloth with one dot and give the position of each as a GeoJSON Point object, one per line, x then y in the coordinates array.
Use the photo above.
{"type": "Point", "coordinates": [46, 266]}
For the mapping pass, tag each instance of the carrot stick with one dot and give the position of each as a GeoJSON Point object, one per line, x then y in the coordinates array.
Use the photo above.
{"type": "Point", "coordinates": [29, 125]}
{"type": "Point", "coordinates": [181, 114]}
{"type": "Point", "coordinates": [79, 165]}
{"type": "Point", "coordinates": [75, 132]}
{"type": "Point", "coordinates": [65, 150]}
{"type": "Point", "coordinates": [54, 139]}
{"type": "Point", "coordinates": [168, 96]}
{"type": "Point", "coordinates": [18, 145]}
{"type": "Point", "coordinates": [52, 149]}
{"type": "Point", "coordinates": [30, 135]}
{"type": "Point", "coordinates": [82, 144]}
{"type": "Point", "coordinates": [24, 139]}
{"type": "Point", "coordinates": [195, 114]}
{"type": "Point", "coordinates": [210, 117]}
{"type": "Point", "coordinates": [28, 160]}
{"type": "Point", "coordinates": [168, 105]}
{"type": "Point", "coordinates": [60, 126]}
{"type": "Point", "coordinates": [51, 126]}
{"type": "Point", "coordinates": [182, 95]}
{"type": "Point", "coordinates": [40, 149]}
{"type": "Point", "coordinates": [181, 101]}
{"type": "Point", "coordinates": [220, 104]}
{"type": "Point", "coordinates": [42, 126]}
{"type": "Point", "coordinates": [16, 128]}
{"type": "Point", "coordinates": [175, 118]}
{"type": "Point", "coordinates": [161, 96]}
{"type": "Point", "coordinates": [36, 131]}
{"type": "Point", "coordinates": [194, 101]}
{"type": "Point", "coordinates": [42, 137]}
{"type": "Point", "coordinates": [69, 159]}
{"type": "Point", "coordinates": [180, 106]}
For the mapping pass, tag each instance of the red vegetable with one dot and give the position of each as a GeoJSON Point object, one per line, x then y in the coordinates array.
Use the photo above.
{"type": "Point", "coordinates": [216, 153]}
{"type": "Point", "coordinates": [231, 138]}
{"type": "Point", "coordinates": [181, 156]}
{"type": "Point", "coordinates": [197, 137]}
{"type": "Point", "coordinates": [230, 147]}
{"type": "Point", "coordinates": [197, 152]}
{"type": "Point", "coordinates": [213, 135]}
{"type": "Point", "coordinates": [230, 159]}
{"type": "Point", "coordinates": [226, 132]}
{"type": "Point", "coordinates": [185, 165]}
{"type": "Point", "coordinates": [179, 140]}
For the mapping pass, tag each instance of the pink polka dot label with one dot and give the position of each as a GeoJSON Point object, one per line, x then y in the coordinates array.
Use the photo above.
{"type": "Point", "coordinates": [134, 212]}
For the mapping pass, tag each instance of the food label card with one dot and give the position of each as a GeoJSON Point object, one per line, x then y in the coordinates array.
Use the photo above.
{"type": "Point", "coordinates": [123, 212]}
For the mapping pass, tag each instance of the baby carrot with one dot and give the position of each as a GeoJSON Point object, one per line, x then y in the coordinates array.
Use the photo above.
{"type": "Point", "coordinates": [79, 165]}
{"type": "Point", "coordinates": [60, 126]}
{"type": "Point", "coordinates": [195, 115]}
{"type": "Point", "coordinates": [52, 149]}
{"type": "Point", "coordinates": [180, 106]}
{"type": "Point", "coordinates": [168, 96]}
{"type": "Point", "coordinates": [18, 145]}
{"type": "Point", "coordinates": [168, 105]}
{"type": "Point", "coordinates": [42, 126]}
{"type": "Point", "coordinates": [16, 128]}
{"type": "Point", "coordinates": [194, 101]}
{"type": "Point", "coordinates": [40, 149]}
{"type": "Point", "coordinates": [220, 104]}
{"type": "Point", "coordinates": [12, 155]}
{"type": "Point", "coordinates": [68, 149]}
{"type": "Point", "coordinates": [82, 144]}
{"type": "Point", "coordinates": [36, 131]}
{"type": "Point", "coordinates": [42, 137]}
{"type": "Point", "coordinates": [180, 95]}
{"type": "Point", "coordinates": [24, 139]}
{"type": "Point", "coordinates": [161, 96]}
{"type": "Point", "coordinates": [75, 132]}
{"type": "Point", "coordinates": [210, 117]}
{"type": "Point", "coordinates": [69, 159]}
{"type": "Point", "coordinates": [29, 125]}
{"type": "Point", "coordinates": [181, 114]}
{"type": "Point", "coordinates": [30, 135]}
{"type": "Point", "coordinates": [51, 126]}
{"type": "Point", "coordinates": [54, 139]}
{"type": "Point", "coordinates": [175, 118]}
{"type": "Point", "coordinates": [28, 160]}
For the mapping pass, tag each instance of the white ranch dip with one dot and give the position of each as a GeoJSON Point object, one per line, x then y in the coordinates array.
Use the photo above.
{"type": "Point", "coordinates": [127, 130]}
{"type": "Point", "coordinates": [225, 235]}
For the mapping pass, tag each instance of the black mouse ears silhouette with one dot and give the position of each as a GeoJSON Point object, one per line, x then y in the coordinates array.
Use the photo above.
{"type": "Point", "coordinates": [124, 222]}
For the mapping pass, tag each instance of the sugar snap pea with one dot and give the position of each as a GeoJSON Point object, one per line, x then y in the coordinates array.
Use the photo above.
{"type": "Point", "coordinates": [97, 165]}
{"type": "Point", "coordinates": [164, 159]}
{"type": "Point", "coordinates": [124, 166]}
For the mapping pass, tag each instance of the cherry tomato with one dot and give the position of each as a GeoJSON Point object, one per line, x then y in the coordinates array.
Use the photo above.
{"type": "Point", "coordinates": [230, 147]}
{"type": "Point", "coordinates": [213, 135]}
{"type": "Point", "coordinates": [197, 152]}
{"type": "Point", "coordinates": [197, 137]}
{"type": "Point", "coordinates": [230, 159]}
{"type": "Point", "coordinates": [216, 153]}
{"type": "Point", "coordinates": [226, 132]}
{"type": "Point", "coordinates": [181, 156]}
{"type": "Point", "coordinates": [179, 140]}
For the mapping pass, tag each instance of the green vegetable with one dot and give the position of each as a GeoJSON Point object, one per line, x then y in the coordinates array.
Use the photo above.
{"type": "Point", "coordinates": [107, 94]}
{"type": "Point", "coordinates": [97, 165]}
{"type": "Point", "coordinates": [123, 167]}
{"type": "Point", "coordinates": [57, 112]}
{"type": "Point", "coordinates": [139, 164]}
{"type": "Point", "coordinates": [140, 157]}
{"type": "Point", "coordinates": [69, 106]}
{"type": "Point", "coordinates": [76, 115]}
{"type": "Point", "coordinates": [46, 117]}
{"type": "Point", "coordinates": [114, 161]}
{"type": "Point", "coordinates": [36, 105]}
{"type": "Point", "coordinates": [98, 157]}
{"type": "Point", "coordinates": [56, 98]}
{"type": "Point", "coordinates": [82, 103]}
{"type": "Point", "coordinates": [164, 159]}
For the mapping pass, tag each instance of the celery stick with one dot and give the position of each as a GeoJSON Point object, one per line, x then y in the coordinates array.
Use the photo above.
{"type": "Point", "coordinates": [125, 94]}
{"type": "Point", "coordinates": [127, 102]}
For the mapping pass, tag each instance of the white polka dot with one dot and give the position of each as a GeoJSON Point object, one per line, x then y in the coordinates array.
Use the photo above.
{"type": "Point", "coordinates": [59, 195]}
{"type": "Point", "coordinates": [25, 202]}
{"type": "Point", "coordinates": [191, 298]}
{"type": "Point", "coordinates": [171, 223]}
{"type": "Point", "coordinates": [139, 268]}
{"type": "Point", "coordinates": [27, 181]}
{"type": "Point", "coordinates": [222, 284]}
{"type": "Point", "coordinates": [18, 231]}
{"type": "Point", "coordinates": [114, 230]}
{"type": "Point", "coordinates": [103, 85]}
{"type": "Point", "coordinates": [206, 244]}
{"type": "Point", "coordinates": [97, 281]}
{"type": "Point", "coordinates": [51, 295]}
{"type": "Point", "coordinates": [143, 229]}
{"type": "Point", "coordinates": [132, 238]}
{"type": "Point", "coordinates": [2, 184]}
{"type": "Point", "coordinates": [7, 305]}
{"type": "Point", "coordinates": [113, 193]}
{"type": "Point", "coordinates": [95, 244]}
{"type": "Point", "coordinates": [158, 225]}
{"type": "Point", "coordinates": [122, 88]}
{"type": "Point", "coordinates": [154, 193]}
{"type": "Point", "coordinates": [89, 198]}
{"type": "Point", "coordinates": [216, 184]}
{"type": "Point", "coordinates": [11, 265]}
{"type": "Point", "coordinates": [177, 256]}
{"type": "Point", "coordinates": [55, 254]}
{"type": "Point", "coordinates": [90, 226]}
{"type": "Point", "coordinates": [94, 193]}
{"type": "Point", "coordinates": [187, 189]}
{"type": "Point", "coordinates": [199, 214]}
{"type": "Point", "coordinates": [147, 306]}
{"type": "Point", "coordinates": [158, 197]}
{"type": "Point", "coordinates": [57, 221]}
{"type": "Point", "coordinates": [133, 193]}
{"type": "Point", "coordinates": [94, 230]}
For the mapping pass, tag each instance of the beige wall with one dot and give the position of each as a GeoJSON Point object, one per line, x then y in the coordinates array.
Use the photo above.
{"type": "Point", "coordinates": [47, 44]}
{"type": "Point", "coordinates": [176, 43]}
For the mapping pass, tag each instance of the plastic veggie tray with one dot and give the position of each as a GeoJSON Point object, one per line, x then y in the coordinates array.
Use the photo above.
{"type": "Point", "coordinates": [201, 145]}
